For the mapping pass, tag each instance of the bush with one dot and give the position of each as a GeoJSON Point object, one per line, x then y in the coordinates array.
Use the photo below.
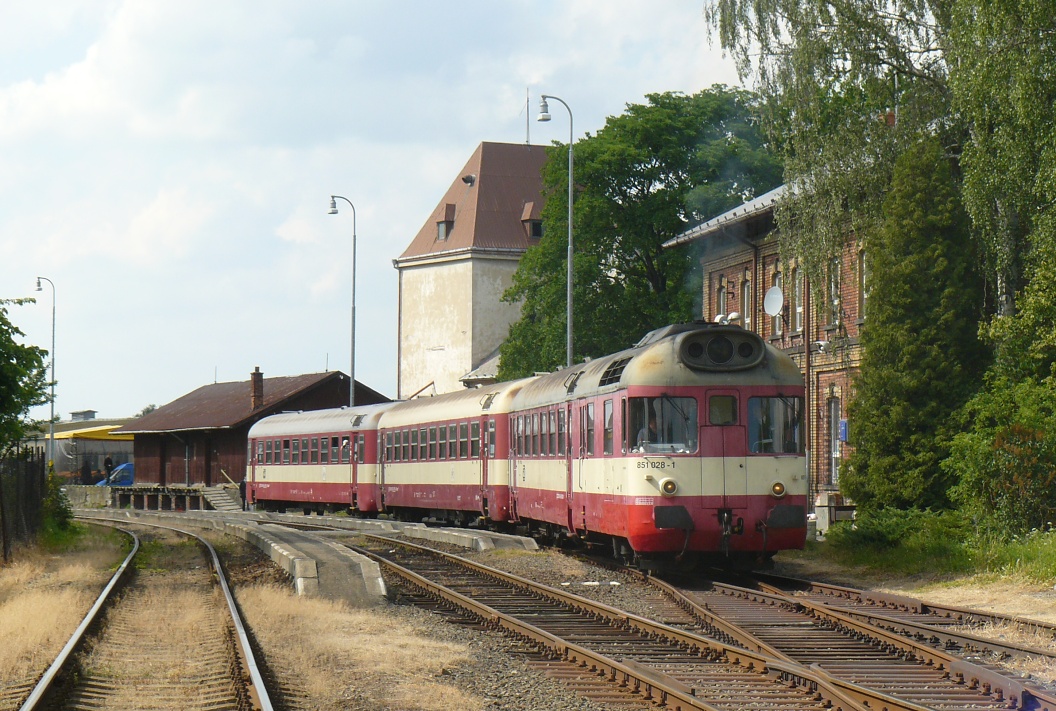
{"type": "Point", "coordinates": [908, 542]}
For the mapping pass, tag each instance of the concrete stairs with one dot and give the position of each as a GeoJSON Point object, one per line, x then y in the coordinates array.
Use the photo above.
{"type": "Point", "coordinates": [223, 498]}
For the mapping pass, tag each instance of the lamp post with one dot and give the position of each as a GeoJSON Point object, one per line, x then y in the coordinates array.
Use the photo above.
{"type": "Point", "coordinates": [51, 422]}
{"type": "Point", "coordinates": [544, 115]}
{"type": "Point", "coordinates": [352, 366]}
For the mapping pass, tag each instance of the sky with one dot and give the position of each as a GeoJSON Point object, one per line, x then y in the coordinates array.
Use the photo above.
{"type": "Point", "coordinates": [168, 165]}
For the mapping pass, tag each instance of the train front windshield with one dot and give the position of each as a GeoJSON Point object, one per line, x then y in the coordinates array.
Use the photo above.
{"type": "Point", "coordinates": [662, 424]}
{"type": "Point", "coordinates": [775, 425]}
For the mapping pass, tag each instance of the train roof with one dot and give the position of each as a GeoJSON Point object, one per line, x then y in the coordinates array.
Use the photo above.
{"type": "Point", "coordinates": [337, 419]}
{"type": "Point", "coordinates": [657, 360]}
{"type": "Point", "coordinates": [476, 402]}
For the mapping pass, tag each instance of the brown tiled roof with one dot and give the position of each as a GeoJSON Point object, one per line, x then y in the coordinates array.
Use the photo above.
{"type": "Point", "coordinates": [226, 405]}
{"type": "Point", "coordinates": [506, 187]}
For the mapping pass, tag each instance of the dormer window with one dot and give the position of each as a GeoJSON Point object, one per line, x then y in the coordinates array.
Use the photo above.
{"type": "Point", "coordinates": [532, 220]}
{"type": "Point", "coordinates": [535, 229]}
{"type": "Point", "coordinates": [446, 223]}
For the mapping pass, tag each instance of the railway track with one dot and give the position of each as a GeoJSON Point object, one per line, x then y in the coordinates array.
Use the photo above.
{"type": "Point", "coordinates": [167, 635]}
{"type": "Point", "coordinates": [945, 625]}
{"type": "Point", "coordinates": [612, 650]}
{"type": "Point", "coordinates": [921, 669]}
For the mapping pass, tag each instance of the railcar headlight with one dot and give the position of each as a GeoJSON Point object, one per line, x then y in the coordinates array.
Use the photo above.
{"type": "Point", "coordinates": [778, 489]}
{"type": "Point", "coordinates": [668, 487]}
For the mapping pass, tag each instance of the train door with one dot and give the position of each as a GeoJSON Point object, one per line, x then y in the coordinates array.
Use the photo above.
{"type": "Point", "coordinates": [482, 436]}
{"type": "Point", "coordinates": [723, 436]}
{"type": "Point", "coordinates": [516, 435]}
{"type": "Point", "coordinates": [573, 457]}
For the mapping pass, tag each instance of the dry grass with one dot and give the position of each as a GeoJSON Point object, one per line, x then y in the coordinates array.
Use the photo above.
{"type": "Point", "coordinates": [343, 654]}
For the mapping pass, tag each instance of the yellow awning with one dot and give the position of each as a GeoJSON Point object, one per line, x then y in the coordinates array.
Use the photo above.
{"type": "Point", "coordinates": [101, 432]}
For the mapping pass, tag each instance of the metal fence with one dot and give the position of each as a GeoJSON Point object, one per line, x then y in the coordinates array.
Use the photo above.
{"type": "Point", "coordinates": [22, 492]}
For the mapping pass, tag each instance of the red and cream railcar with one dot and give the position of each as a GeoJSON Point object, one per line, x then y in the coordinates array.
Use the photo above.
{"type": "Point", "coordinates": [446, 458]}
{"type": "Point", "coordinates": [691, 442]}
{"type": "Point", "coordinates": [317, 460]}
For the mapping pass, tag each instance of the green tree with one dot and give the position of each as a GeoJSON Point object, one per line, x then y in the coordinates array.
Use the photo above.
{"type": "Point", "coordinates": [23, 382]}
{"type": "Point", "coordinates": [638, 183]}
{"type": "Point", "coordinates": [848, 87]}
{"type": "Point", "coordinates": [921, 357]}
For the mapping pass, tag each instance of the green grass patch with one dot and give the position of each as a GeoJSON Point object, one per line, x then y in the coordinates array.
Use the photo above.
{"type": "Point", "coordinates": [908, 543]}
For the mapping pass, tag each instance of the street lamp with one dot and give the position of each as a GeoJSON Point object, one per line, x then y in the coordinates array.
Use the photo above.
{"type": "Point", "coordinates": [51, 422]}
{"type": "Point", "coordinates": [352, 366]}
{"type": "Point", "coordinates": [544, 115]}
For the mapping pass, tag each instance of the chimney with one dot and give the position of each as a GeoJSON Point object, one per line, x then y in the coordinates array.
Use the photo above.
{"type": "Point", "coordinates": [256, 382]}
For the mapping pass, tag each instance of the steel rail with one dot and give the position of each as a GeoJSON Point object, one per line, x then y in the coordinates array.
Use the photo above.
{"type": "Point", "coordinates": [951, 614]}
{"type": "Point", "coordinates": [840, 694]}
{"type": "Point", "coordinates": [973, 675]}
{"type": "Point", "coordinates": [44, 685]}
{"type": "Point", "coordinates": [258, 691]}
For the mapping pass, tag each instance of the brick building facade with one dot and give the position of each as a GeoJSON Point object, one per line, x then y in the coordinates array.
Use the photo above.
{"type": "Point", "coordinates": [818, 324]}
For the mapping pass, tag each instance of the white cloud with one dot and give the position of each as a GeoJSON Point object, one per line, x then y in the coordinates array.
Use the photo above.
{"type": "Point", "coordinates": [168, 164]}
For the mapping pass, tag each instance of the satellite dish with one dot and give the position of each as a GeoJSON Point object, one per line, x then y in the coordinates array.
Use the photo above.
{"type": "Point", "coordinates": [773, 301]}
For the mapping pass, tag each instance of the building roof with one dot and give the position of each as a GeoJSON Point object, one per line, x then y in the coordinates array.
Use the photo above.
{"type": "Point", "coordinates": [486, 373]}
{"type": "Point", "coordinates": [737, 216]}
{"type": "Point", "coordinates": [488, 203]}
{"type": "Point", "coordinates": [228, 405]}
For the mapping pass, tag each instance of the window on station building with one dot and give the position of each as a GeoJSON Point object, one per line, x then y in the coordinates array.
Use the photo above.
{"type": "Point", "coordinates": [720, 299]}
{"type": "Point", "coordinates": [834, 292]}
{"type": "Point", "coordinates": [834, 440]}
{"type": "Point", "coordinates": [746, 302]}
{"type": "Point", "coordinates": [797, 299]}
{"type": "Point", "coordinates": [775, 321]}
{"type": "Point", "coordinates": [863, 283]}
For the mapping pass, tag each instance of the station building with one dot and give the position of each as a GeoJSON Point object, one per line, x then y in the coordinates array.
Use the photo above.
{"type": "Point", "coordinates": [819, 324]}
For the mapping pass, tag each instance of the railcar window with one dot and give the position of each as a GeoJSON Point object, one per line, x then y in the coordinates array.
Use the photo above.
{"type": "Point", "coordinates": [561, 433]}
{"type": "Point", "coordinates": [463, 441]}
{"type": "Point", "coordinates": [406, 437]}
{"type": "Point", "coordinates": [315, 450]}
{"type": "Point", "coordinates": [285, 451]}
{"type": "Point", "coordinates": [442, 453]}
{"type": "Point", "coordinates": [661, 424]}
{"type": "Point", "coordinates": [260, 452]}
{"type": "Point", "coordinates": [388, 447]}
{"type": "Point", "coordinates": [324, 450]}
{"type": "Point", "coordinates": [474, 439]}
{"type": "Point", "coordinates": [588, 428]}
{"type": "Point", "coordinates": [607, 424]}
{"type": "Point", "coordinates": [775, 425]}
{"type": "Point", "coordinates": [519, 440]}
{"type": "Point", "coordinates": [491, 438]}
{"type": "Point", "coordinates": [335, 450]}
{"type": "Point", "coordinates": [722, 410]}
{"type": "Point", "coordinates": [452, 439]}
{"type": "Point", "coordinates": [296, 451]}
{"type": "Point", "coordinates": [553, 432]}
{"type": "Point", "coordinates": [423, 444]}
{"type": "Point", "coordinates": [544, 434]}
{"type": "Point", "coordinates": [432, 442]}
{"type": "Point", "coordinates": [361, 441]}
{"type": "Point", "coordinates": [414, 445]}
{"type": "Point", "coordinates": [267, 452]}
{"type": "Point", "coordinates": [535, 433]}
{"type": "Point", "coordinates": [304, 451]}
{"type": "Point", "coordinates": [345, 453]}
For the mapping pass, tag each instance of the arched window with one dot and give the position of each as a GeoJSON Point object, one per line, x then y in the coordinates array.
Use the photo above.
{"type": "Point", "coordinates": [720, 300]}
{"type": "Point", "coordinates": [797, 299]}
